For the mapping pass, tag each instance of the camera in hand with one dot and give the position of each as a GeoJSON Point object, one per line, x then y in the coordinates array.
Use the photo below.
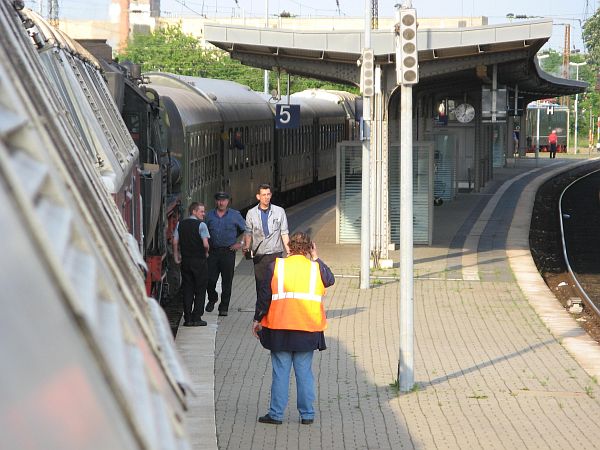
{"type": "Point", "coordinates": [249, 254]}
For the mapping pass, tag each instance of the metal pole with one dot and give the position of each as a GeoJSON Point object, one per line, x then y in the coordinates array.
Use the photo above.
{"type": "Point", "coordinates": [365, 231]}
{"type": "Point", "coordinates": [591, 132]}
{"type": "Point", "coordinates": [537, 132]}
{"type": "Point", "coordinates": [406, 364]}
{"type": "Point", "coordinates": [597, 133]}
{"type": "Point", "coordinates": [266, 80]}
{"type": "Point", "coordinates": [577, 101]}
{"type": "Point", "coordinates": [576, 131]}
{"type": "Point", "coordinates": [406, 375]}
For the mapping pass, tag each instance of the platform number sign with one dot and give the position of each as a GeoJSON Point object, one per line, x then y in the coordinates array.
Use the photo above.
{"type": "Point", "coordinates": [287, 116]}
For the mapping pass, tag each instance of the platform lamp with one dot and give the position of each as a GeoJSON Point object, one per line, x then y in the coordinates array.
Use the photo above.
{"type": "Point", "coordinates": [576, 65]}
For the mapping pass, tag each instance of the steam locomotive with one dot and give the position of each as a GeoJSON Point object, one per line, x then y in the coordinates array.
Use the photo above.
{"type": "Point", "coordinates": [98, 163]}
{"type": "Point", "coordinates": [88, 358]}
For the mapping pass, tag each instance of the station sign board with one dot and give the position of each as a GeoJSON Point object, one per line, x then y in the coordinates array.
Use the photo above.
{"type": "Point", "coordinates": [287, 116]}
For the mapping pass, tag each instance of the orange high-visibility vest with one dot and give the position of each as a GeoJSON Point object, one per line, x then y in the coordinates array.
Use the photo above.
{"type": "Point", "coordinates": [297, 293]}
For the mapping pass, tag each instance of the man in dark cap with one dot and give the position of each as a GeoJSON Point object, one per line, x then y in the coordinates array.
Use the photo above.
{"type": "Point", "coordinates": [225, 226]}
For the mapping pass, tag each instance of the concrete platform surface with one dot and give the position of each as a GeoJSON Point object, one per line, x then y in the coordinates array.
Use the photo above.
{"type": "Point", "coordinates": [498, 363]}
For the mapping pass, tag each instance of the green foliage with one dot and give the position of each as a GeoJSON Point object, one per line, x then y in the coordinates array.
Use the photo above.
{"type": "Point", "coordinates": [169, 49]}
{"type": "Point", "coordinates": [591, 37]}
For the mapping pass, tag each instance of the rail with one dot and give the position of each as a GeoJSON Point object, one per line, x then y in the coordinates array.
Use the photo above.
{"type": "Point", "coordinates": [583, 294]}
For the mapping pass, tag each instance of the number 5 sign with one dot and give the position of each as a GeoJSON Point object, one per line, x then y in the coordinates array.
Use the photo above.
{"type": "Point", "coordinates": [287, 116]}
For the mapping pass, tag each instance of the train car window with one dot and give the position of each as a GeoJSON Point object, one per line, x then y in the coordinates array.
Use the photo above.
{"type": "Point", "coordinates": [229, 144]}
{"type": "Point", "coordinates": [255, 143]}
{"type": "Point", "coordinates": [236, 152]}
{"type": "Point", "coordinates": [132, 120]}
{"type": "Point", "coordinates": [248, 144]}
{"type": "Point", "coordinates": [259, 145]}
{"type": "Point", "coordinates": [296, 141]}
{"type": "Point", "coordinates": [270, 143]}
{"type": "Point", "coordinates": [306, 139]}
{"type": "Point", "coordinates": [193, 146]}
{"type": "Point", "coordinates": [287, 145]}
{"type": "Point", "coordinates": [267, 144]}
{"type": "Point", "coordinates": [282, 141]}
{"type": "Point", "coordinates": [261, 136]}
{"type": "Point", "coordinates": [320, 137]}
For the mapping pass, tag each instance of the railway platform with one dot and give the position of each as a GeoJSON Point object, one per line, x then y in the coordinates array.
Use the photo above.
{"type": "Point", "coordinates": [498, 362]}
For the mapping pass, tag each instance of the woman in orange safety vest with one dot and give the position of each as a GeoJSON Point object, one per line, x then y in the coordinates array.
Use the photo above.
{"type": "Point", "coordinates": [289, 320]}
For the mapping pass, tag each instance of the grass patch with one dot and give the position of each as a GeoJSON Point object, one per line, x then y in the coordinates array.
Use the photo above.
{"type": "Point", "coordinates": [395, 387]}
{"type": "Point", "coordinates": [589, 390]}
{"type": "Point", "coordinates": [477, 396]}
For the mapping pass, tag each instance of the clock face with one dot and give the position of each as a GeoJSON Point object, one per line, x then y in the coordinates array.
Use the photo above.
{"type": "Point", "coordinates": [464, 113]}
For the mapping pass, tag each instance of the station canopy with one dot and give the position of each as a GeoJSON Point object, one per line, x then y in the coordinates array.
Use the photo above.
{"type": "Point", "coordinates": [447, 57]}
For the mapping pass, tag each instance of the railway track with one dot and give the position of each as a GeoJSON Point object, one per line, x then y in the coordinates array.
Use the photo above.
{"type": "Point", "coordinates": [580, 220]}
{"type": "Point", "coordinates": [565, 242]}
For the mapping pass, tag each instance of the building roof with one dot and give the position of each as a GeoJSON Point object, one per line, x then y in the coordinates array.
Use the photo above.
{"type": "Point", "coordinates": [457, 51]}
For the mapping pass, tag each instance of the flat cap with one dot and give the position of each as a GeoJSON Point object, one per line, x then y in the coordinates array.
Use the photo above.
{"type": "Point", "coordinates": [222, 196]}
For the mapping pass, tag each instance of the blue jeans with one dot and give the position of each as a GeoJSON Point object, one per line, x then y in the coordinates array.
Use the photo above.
{"type": "Point", "coordinates": [282, 364]}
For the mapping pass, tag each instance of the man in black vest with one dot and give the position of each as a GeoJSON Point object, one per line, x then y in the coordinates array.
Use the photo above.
{"type": "Point", "coordinates": [191, 236]}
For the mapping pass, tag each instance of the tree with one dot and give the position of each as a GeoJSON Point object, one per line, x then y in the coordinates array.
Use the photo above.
{"type": "Point", "coordinates": [591, 37]}
{"type": "Point", "coordinates": [169, 49]}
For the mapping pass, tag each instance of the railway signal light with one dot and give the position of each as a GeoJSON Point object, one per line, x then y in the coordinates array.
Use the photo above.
{"type": "Point", "coordinates": [407, 63]}
{"type": "Point", "coordinates": [367, 73]}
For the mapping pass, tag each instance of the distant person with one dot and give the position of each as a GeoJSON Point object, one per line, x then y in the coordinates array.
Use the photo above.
{"type": "Point", "coordinates": [267, 233]}
{"type": "Point", "coordinates": [237, 141]}
{"type": "Point", "coordinates": [552, 141]}
{"type": "Point", "coordinates": [190, 248]}
{"type": "Point", "coordinates": [516, 142]}
{"type": "Point", "coordinates": [226, 226]}
{"type": "Point", "coordinates": [289, 320]}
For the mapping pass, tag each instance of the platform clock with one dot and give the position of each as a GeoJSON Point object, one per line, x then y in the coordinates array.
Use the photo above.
{"type": "Point", "coordinates": [464, 113]}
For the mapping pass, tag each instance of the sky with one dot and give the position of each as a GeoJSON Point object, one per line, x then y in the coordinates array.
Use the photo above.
{"type": "Point", "coordinates": [573, 12]}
